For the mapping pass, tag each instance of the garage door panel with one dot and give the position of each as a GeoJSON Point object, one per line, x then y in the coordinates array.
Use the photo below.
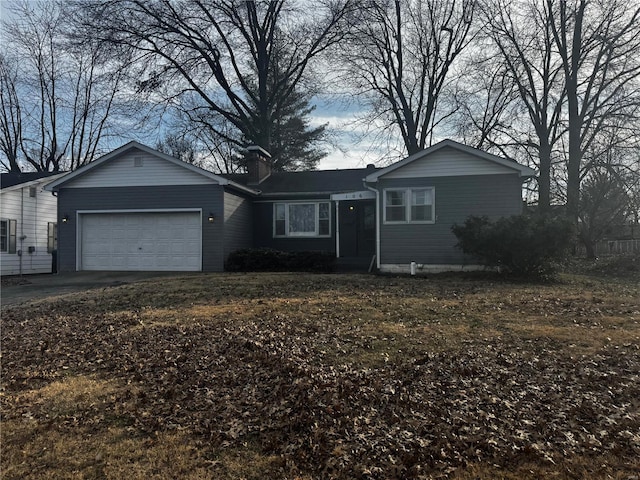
{"type": "Point", "coordinates": [168, 241]}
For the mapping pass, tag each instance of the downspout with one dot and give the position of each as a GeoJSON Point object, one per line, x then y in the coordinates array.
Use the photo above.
{"type": "Point", "coordinates": [35, 230]}
{"type": "Point", "coordinates": [377, 222]}
{"type": "Point", "coordinates": [21, 229]}
{"type": "Point", "coordinates": [337, 228]}
{"type": "Point", "coordinates": [57, 266]}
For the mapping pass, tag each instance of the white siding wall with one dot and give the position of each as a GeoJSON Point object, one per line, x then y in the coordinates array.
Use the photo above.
{"type": "Point", "coordinates": [153, 171]}
{"type": "Point", "coordinates": [448, 162]}
{"type": "Point", "coordinates": [37, 212]}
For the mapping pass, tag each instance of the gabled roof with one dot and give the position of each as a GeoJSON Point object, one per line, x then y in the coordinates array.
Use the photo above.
{"type": "Point", "coordinates": [24, 179]}
{"type": "Point", "coordinates": [318, 182]}
{"type": "Point", "coordinates": [520, 169]}
{"type": "Point", "coordinates": [54, 186]}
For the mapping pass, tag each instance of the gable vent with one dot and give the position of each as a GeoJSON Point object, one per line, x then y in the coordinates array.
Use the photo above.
{"type": "Point", "coordinates": [137, 161]}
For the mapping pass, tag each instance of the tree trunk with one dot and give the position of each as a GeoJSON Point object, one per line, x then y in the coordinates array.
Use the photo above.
{"type": "Point", "coordinates": [544, 179]}
{"type": "Point", "coordinates": [572, 59]}
{"type": "Point", "coordinates": [589, 246]}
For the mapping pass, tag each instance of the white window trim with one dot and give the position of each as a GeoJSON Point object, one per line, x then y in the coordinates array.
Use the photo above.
{"type": "Point", "coordinates": [384, 196]}
{"type": "Point", "coordinates": [6, 250]}
{"type": "Point", "coordinates": [315, 234]}
{"type": "Point", "coordinates": [408, 192]}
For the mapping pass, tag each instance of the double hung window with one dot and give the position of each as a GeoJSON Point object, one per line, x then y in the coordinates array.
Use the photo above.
{"type": "Point", "coordinates": [312, 219]}
{"type": "Point", "coordinates": [409, 205]}
{"type": "Point", "coordinates": [8, 236]}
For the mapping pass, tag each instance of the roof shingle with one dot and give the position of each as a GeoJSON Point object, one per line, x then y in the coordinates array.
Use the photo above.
{"type": "Point", "coordinates": [309, 182]}
{"type": "Point", "coordinates": [12, 179]}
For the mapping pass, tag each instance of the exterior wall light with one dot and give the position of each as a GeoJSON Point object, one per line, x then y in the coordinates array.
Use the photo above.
{"type": "Point", "coordinates": [211, 217]}
{"type": "Point", "coordinates": [65, 219]}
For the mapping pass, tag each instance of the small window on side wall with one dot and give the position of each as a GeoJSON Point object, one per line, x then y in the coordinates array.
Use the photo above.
{"type": "Point", "coordinates": [8, 236]}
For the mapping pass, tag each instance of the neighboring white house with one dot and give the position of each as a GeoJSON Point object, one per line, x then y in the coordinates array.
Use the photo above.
{"type": "Point", "coordinates": [28, 223]}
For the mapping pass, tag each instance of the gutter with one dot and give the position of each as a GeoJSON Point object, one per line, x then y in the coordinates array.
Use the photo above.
{"type": "Point", "coordinates": [238, 186]}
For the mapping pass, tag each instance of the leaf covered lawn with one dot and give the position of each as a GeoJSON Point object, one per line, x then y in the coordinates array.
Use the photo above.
{"type": "Point", "coordinates": [325, 376]}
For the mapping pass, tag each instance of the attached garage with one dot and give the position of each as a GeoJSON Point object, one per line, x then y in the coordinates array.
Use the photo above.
{"type": "Point", "coordinates": [137, 209]}
{"type": "Point", "coordinates": [143, 241]}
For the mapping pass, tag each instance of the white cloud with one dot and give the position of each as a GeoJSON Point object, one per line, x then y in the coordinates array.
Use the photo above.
{"type": "Point", "coordinates": [355, 140]}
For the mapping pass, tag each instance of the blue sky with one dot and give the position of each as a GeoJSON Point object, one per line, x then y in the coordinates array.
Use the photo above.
{"type": "Point", "coordinates": [353, 149]}
{"type": "Point", "coordinates": [359, 140]}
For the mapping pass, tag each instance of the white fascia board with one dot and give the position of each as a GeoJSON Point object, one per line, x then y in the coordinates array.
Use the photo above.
{"type": "Point", "coordinates": [133, 144]}
{"type": "Point", "coordinates": [521, 169]}
{"type": "Point", "coordinates": [238, 186]}
{"type": "Point", "coordinates": [361, 195]}
{"type": "Point", "coordinates": [45, 181]}
{"type": "Point", "coordinates": [260, 150]}
{"type": "Point", "coordinates": [82, 170]}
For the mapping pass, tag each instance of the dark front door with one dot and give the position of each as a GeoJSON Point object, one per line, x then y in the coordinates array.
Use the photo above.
{"type": "Point", "coordinates": [357, 228]}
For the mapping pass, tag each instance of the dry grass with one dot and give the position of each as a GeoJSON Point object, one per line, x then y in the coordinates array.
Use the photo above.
{"type": "Point", "coordinates": [74, 428]}
{"type": "Point", "coordinates": [100, 384]}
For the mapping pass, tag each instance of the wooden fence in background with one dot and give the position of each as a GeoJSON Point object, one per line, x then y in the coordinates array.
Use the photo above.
{"type": "Point", "coordinates": [616, 247]}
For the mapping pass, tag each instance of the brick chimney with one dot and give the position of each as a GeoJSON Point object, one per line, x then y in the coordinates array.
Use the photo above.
{"type": "Point", "coordinates": [258, 164]}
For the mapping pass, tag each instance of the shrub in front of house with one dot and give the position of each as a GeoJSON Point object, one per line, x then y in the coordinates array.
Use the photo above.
{"type": "Point", "coordinates": [269, 260]}
{"type": "Point", "coordinates": [522, 245]}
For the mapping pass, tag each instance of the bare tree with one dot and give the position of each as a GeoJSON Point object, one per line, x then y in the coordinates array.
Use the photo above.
{"type": "Point", "coordinates": [598, 45]}
{"type": "Point", "coordinates": [10, 118]}
{"type": "Point", "coordinates": [487, 102]}
{"type": "Point", "coordinates": [180, 147]}
{"type": "Point", "coordinates": [57, 97]}
{"type": "Point", "coordinates": [522, 35]}
{"type": "Point", "coordinates": [242, 61]}
{"type": "Point", "coordinates": [610, 183]}
{"type": "Point", "coordinates": [604, 205]}
{"type": "Point", "coordinates": [574, 68]}
{"type": "Point", "coordinates": [399, 56]}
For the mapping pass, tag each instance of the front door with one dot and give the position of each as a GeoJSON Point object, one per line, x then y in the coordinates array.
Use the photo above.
{"type": "Point", "coordinates": [357, 228]}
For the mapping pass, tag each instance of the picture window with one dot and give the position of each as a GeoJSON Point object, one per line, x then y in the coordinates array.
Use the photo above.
{"type": "Point", "coordinates": [311, 219]}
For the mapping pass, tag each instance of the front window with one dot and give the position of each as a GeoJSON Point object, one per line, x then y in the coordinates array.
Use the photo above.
{"type": "Point", "coordinates": [302, 219]}
{"type": "Point", "coordinates": [421, 205]}
{"type": "Point", "coordinates": [280, 220]}
{"type": "Point", "coordinates": [409, 205]}
{"type": "Point", "coordinates": [324, 219]}
{"type": "Point", "coordinates": [395, 206]}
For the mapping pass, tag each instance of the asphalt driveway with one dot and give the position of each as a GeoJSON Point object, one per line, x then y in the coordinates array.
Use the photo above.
{"type": "Point", "coordinates": [28, 288]}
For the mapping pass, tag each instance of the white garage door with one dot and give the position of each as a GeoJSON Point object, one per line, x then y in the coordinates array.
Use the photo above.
{"type": "Point", "coordinates": [141, 241]}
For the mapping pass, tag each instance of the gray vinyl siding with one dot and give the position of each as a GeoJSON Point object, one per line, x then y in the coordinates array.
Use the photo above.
{"type": "Point", "coordinates": [153, 171]}
{"type": "Point", "coordinates": [238, 228]}
{"type": "Point", "coordinates": [209, 198]}
{"type": "Point", "coordinates": [455, 199]}
{"type": "Point", "coordinates": [263, 232]}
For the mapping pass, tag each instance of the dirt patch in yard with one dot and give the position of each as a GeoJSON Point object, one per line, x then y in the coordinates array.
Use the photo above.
{"type": "Point", "coordinates": [325, 376]}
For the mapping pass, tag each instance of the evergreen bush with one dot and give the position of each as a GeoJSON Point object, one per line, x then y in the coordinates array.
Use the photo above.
{"type": "Point", "coordinates": [270, 260]}
{"type": "Point", "coordinates": [522, 245]}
